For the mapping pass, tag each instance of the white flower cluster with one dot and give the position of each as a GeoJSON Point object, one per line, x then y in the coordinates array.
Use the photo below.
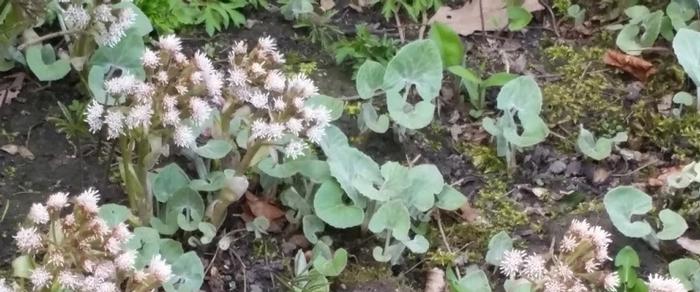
{"type": "Point", "coordinates": [659, 283]}
{"type": "Point", "coordinates": [583, 252]}
{"type": "Point", "coordinates": [175, 88]}
{"type": "Point", "coordinates": [254, 77]}
{"type": "Point", "coordinates": [90, 256]}
{"type": "Point", "coordinates": [107, 24]}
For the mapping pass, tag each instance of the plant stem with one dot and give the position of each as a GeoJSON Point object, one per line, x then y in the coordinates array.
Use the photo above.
{"type": "Point", "coordinates": [247, 158]}
{"type": "Point", "coordinates": [46, 37]}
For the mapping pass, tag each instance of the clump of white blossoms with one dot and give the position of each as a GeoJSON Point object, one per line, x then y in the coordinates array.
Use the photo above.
{"type": "Point", "coordinates": [659, 283]}
{"type": "Point", "coordinates": [578, 266]}
{"type": "Point", "coordinates": [280, 113]}
{"type": "Point", "coordinates": [105, 22]}
{"type": "Point", "coordinates": [80, 251]}
{"type": "Point", "coordinates": [177, 93]}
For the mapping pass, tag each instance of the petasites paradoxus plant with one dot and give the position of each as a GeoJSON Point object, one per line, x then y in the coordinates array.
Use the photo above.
{"type": "Point", "coordinates": [600, 148]}
{"type": "Point", "coordinates": [520, 125]}
{"type": "Point", "coordinates": [415, 73]}
{"type": "Point", "coordinates": [624, 202]}
{"type": "Point", "coordinates": [686, 45]}
{"type": "Point", "coordinates": [91, 248]}
{"type": "Point", "coordinates": [389, 200]}
{"type": "Point", "coordinates": [645, 26]}
{"type": "Point", "coordinates": [87, 27]}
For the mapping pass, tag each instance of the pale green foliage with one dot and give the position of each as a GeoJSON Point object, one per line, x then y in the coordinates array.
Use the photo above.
{"type": "Point", "coordinates": [577, 13]}
{"type": "Point", "coordinates": [449, 43]}
{"type": "Point", "coordinates": [329, 206]}
{"type": "Point", "coordinates": [417, 65]}
{"type": "Point", "coordinates": [687, 271]}
{"type": "Point", "coordinates": [686, 46]}
{"type": "Point", "coordinates": [214, 149]}
{"type": "Point", "coordinates": [519, 99]}
{"type": "Point", "coordinates": [597, 149]}
{"type": "Point", "coordinates": [114, 214]}
{"type": "Point", "coordinates": [627, 262]}
{"type": "Point", "coordinates": [624, 202]}
{"type": "Point", "coordinates": [498, 244]}
{"type": "Point", "coordinates": [645, 26]}
{"type": "Point", "coordinates": [518, 17]}
{"type": "Point", "coordinates": [682, 179]}
{"type": "Point", "coordinates": [474, 279]}
{"type": "Point", "coordinates": [124, 58]}
{"type": "Point", "coordinates": [43, 63]}
{"type": "Point", "coordinates": [518, 285]}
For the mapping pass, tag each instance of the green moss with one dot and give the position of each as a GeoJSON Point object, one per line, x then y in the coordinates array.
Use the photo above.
{"type": "Point", "coordinates": [561, 6]}
{"type": "Point", "coordinates": [265, 248]}
{"type": "Point", "coordinates": [296, 63]}
{"type": "Point", "coordinates": [584, 94]}
{"type": "Point", "coordinates": [498, 213]}
{"type": "Point", "coordinates": [357, 273]}
{"type": "Point", "coordinates": [484, 158]}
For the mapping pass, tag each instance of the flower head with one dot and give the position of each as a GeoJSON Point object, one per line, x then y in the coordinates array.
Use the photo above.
{"type": "Point", "coordinates": [38, 214]}
{"type": "Point", "coordinates": [183, 136]}
{"type": "Point", "coordinates": [94, 116]}
{"type": "Point", "coordinates": [150, 59]}
{"type": "Point", "coordinates": [57, 201]}
{"type": "Point", "coordinates": [40, 278]}
{"type": "Point", "coordinates": [126, 260]}
{"type": "Point", "coordinates": [28, 239]}
{"type": "Point", "coordinates": [87, 200]}
{"type": "Point", "coordinates": [170, 43]}
{"type": "Point", "coordinates": [659, 283]}
{"type": "Point", "coordinates": [611, 282]}
{"type": "Point", "coordinates": [534, 267]}
{"type": "Point", "coordinates": [294, 149]}
{"type": "Point", "coordinates": [511, 262]}
{"type": "Point", "coordinates": [159, 269]}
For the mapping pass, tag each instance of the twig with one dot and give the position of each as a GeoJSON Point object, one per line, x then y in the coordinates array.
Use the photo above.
{"type": "Point", "coordinates": [46, 37]}
{"type": "Point", "coordinates": [555, 24]}
{"type": "Point", "coordinates": [481, 16]}
{"type": "Point", "coordinates": [4, 213]}
{"type": "Point", "coordinates": [402, 35]}
{"type": "Point", "coordinates": [245, 282]}
{"type": "Point", "coordinates": [424, 23]}
{"type": "Point", "coordinates": [444, 237]}
{"type": "Point", "coordinates": [29, 134]}
{"type": "Point", "coordinates": [645, 165]}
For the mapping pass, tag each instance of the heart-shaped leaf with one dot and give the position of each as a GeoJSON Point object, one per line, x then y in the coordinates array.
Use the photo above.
{"type": "Point", "coordinates": [328, 264]}
{"type": "Point", "coordinates": [316, 170]}
{"type": "Point", "coordinates": [498, 245]}
{"type": "Point", "coordinates": [369, 117]}
{"type": "Point", "coordinates": [169, 180]}
{"type": "Point", "coordinates": [684, 270]}
{"type": "Point", "coordinates": [329, 206]}
{"type": "Point", "coordinates": [214, 149]}
{"type": "Point", "coordinates": [674, 225]}
{"type": "Point", "coordinates": [450, 199]}
{"type": "Point", "coordinates": [43, 63]}
{"type": "Point", "coordinates": [124, 58]}
{"type": "Point", "coordinates": [417, 63]}
{"type": "Point", "coordinates": [621, 203]}
{"type": "Point", "coordinates": [187, 207]}
{"type": "Point", "coordinates": [146, 243]}
{"type": "Point", "coordinates": [686, 45]}
{"type": "Point", "coordinates": [392, 216]}
{"type": "Point", "coordinates": [370, 77]}
{"type": "Point", "coordinates": [114, 214]}
{"type": "Point", "coordinates": [413, 117]}
{"type": "Point", "coordinates": [312, 225]}
{"type": "Point", "coordinates": [188, 274]}
{"type": "Point", "coordinates": [599, 149]}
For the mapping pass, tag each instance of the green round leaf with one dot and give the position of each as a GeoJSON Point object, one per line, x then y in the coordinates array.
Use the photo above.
{"type": "Point", "coordinates": [370, 77]}
{"type": "Point", "coordinates": [369, 117]}
{"type": "Point", "coordinates": [518, 17]}
{"type": "Point", "coordinates": [170, 249]}
{"type": "Point", "coordinates": [418, 63]}
{"type": "Point", "coordinates": [329, 206]}
{"type": "Point", "coordinates": [392, 216]}
{"type": "Point", "coordinates": [499, 244]}
{"type": "Point", "coordinates": [683, 270]}
{"type": "Point", "coordinates": [114, 214]}
{"type": "Point", "coordinates": [622, 203]}
{"type": "Point", "coordinates": [214, 149]}
{"type": "Point", "coordinates": [450, 199]}
{"type": "Point", "coordinates": [312, 225]}
{"type": "Point", "coordinates": [410, 116]}
{"type": "Point", "coordinates": [188, 274]}
{"type": "Point", "coordinates": [169, 179]}
{"type": "Point", "coordinates": [316, 170]}
{"type": "Point", "coordinates": [146, 243]}
{"type": "Point", "coordinates": [674, 225]}
{"type": "Point", "coordinates": [686, 45]}
{"type": "Point", "coordinates": [42, 61]}
{"type": "Point", "coordinates": [22, 267]}
{"type": "Point", "coordinates": [330, 266]}
{"type": "Point", "coordinates": [187, 207]}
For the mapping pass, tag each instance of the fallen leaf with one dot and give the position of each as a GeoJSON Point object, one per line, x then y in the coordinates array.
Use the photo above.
{"type": "Point", "coordinates": [326, 5]}
{"type": "Point", "coordinates": [467, 19]}
{"type": "Point", "coordinates": [638, 67]}
{"type": "Point", "coordinates": [357, 5]}
{"type": "Point", "coordinates": [259, 207]}
{"type": "Point", "coordinates": [13, 149]}
{"type": "Point", "coordinates": [9, 90]}
{"type": "Point", "coordinates": [435, 281]}
{"type": "Point", "coordinates": [692, 245]}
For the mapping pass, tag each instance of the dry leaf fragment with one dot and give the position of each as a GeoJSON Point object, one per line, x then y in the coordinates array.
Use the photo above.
{"type": "Point", "coordinates": [259, 207]}
{"type": "Point", "coordinates": [467, 19]}
{"type": "Point", "coordinates": [13, 149]}
{"type": "Point", "coordinates": [468, 213]}
{"type": "Point", "coordinates": [691, 245]}
{"type": "Point", "coordinates": [638, 67]}
{"type": "Point", "coordinates": [9, 90]}
{"type": "Point", "coordinates": [435, 281]}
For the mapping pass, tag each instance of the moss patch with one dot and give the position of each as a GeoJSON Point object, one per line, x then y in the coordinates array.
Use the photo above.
{"type": "Point", "coordinates": [362, 273]}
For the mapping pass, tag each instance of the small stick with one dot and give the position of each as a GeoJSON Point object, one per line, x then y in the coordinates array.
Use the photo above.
{"type": "Point", "coordinates": [645, 165]}
{"type": "Point", "coordinates": [555, 23]}
{"type": "Point", "coordinates": [46, 37]}
{"type": "Point", "coordinates": [4, 213]}
{"type": "Point", "coordinates": [402, 36]}
{"type": "Point", "coordinates": [245, 282]}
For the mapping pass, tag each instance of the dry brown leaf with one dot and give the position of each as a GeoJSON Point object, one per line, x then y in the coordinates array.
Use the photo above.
{"type": "Point", "coordinates": [638, 67]}
{"type": "Point", "coordinates": [13, 149]}
{"type": "Point", "coordinates": [600, 175]}
{"type": "Point", "coordinates": [9, 90]}
{"type": "Point", "coordinates": [467, 19]}
{"type": "Point", "coordinates": [691, 245]}
{"type": "Point", "coordinates": [326, 5]}
{"type": "Point", "coordinates": [259, 207]}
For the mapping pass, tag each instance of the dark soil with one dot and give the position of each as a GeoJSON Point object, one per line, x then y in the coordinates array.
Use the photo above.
{"type": "Point", "coordinates": [56, 166]}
